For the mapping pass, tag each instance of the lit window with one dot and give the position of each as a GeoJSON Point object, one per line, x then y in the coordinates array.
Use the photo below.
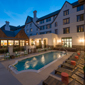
{"type": "Point", "coordinates": [66, 21]}
{"type": "Point", "coordinates": [80, 17]}
{"type": "Point", "coordinates": [31, 30]}
{"type": "Point", "coordinates": [48, 26]}
{"type": "Point", "coordinates": [16, 42]}
{"type": "Point", "coordinates": [3, 42]}
{"type": "Point", "coordinates": [66, 12]}
{"type": "Point", "coordinates": [10, 42]}
{"type": "Point", "coordinates": [66, 30]}
{"type": "Point", "coordinates": [80, 28]}
{"type": "Point", "coordinates": [22, 43]}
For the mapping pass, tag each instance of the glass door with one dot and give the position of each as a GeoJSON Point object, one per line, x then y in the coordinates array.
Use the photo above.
{"type": "Point", "coordinates": [67, 42]}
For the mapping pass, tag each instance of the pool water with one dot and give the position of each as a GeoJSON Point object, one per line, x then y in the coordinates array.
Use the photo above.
{"type": "Point", "coordinates": [37, 62]}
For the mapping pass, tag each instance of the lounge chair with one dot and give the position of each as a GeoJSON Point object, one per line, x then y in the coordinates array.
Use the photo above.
{"type": "Point", "coordinates": [53, 81]}
{"type": "Point", "coordinates": [7, 56]}
{"type": "Point", "coordinates": [39, 50]}
{"type": "Point", "coordinates": [17, 54]}
{"type": "Point", "coordinates": [80, 74]}
{"type": "Point", "coordinates": [78, 79]}
{"type": "Point", "coordinates": [68, 66]}
{"type": "Point", "coordinates": [60, 70]}
{"type": "Point", "coordinates": [25, 52]}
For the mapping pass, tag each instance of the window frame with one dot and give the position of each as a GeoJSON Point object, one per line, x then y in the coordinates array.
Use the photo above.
{"type": "Point", "coordinates": [80, 17]}
{"type": "Point", "coordinates": [55, 24]}
{"type": "Point", "coordinates": [50, 25]}
{"type": "Point", "coordinates": [48, 19]}
{"type": "Point", "coordinates": [55, 31]}
{"type": "Point", "coordinates": [65, 11]}
{"type": "Point", "coordinates": [66, 32]}
{"type": "Point", "coordinates": [80, 8]}
{"type": "Point", "coordinates": [80, 29]}
{"type": "Point", "coordinates": [66, 21]}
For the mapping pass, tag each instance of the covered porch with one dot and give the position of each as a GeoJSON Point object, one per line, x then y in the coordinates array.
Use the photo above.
{"type": "Point", "coordinates": [44, 40]}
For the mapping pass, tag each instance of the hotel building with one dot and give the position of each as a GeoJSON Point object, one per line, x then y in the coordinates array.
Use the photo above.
{"type": "Point", "coordinates": [64, 27]}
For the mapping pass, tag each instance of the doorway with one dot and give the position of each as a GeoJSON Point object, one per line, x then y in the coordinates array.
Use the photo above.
{"type": "Point", "coordinates": [67, 42]}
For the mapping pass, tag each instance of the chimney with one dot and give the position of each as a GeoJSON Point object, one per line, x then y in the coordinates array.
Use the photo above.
{"type": "Point", "coordinates": [35, 14]}
{"type": "Point", "coordinates": [7, 26]}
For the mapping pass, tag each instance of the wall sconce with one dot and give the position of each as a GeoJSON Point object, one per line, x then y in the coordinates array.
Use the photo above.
{"type": "Point", "coordinates": [42, 42]}
{"type": "Point", "coordinates": [34, 42]}
{"type": "Point", "coordinates": [81, 40]}
{"type": "Point", "coordinates": [37, 41]}
{"type": "Point", "coordinates": [59, 41]}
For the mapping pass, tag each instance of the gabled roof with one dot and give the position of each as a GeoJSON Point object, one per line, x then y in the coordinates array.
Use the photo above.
{"type": "Point", "coordinates": [49, 15]}
{"type": "Point", "coordinates": [75, 3]}
{"type": "Point", "coordinates": [11, 33]}
{"type": "Point", "coordinates": [29, 19]}
{"type": "Point", "coordinates": [57, 12]}
{"type": "Point", "coordinates": [13, 28]}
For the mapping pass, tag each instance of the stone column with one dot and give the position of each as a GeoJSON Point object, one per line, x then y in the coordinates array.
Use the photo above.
{"type": "Point", "coordinates": [26, 48]}
{"type": "Point", "coordinates": [10, 50]}
{"type": "Point", "coordinates": [42, 43]}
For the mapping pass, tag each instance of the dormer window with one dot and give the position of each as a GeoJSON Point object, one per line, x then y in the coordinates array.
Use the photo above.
{"type": "Point", "coordinates": [66, 13]}
{"type": "Point", "coordinates": [48, 19]}
{"type": "Point", "coordinates": [79, 8]}
{"type": "Point", "coordinates": [27, 31]}
{"type": "Point", "coordinates": [37, 22]}
{"type": "Point", "coordinates": [41, 22]}
{"type": "Point", "coordinates": [31, 30]}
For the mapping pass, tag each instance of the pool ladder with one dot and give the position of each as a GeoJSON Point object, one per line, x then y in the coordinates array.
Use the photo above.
{"type": "Point", "coordinates": [64, 49]}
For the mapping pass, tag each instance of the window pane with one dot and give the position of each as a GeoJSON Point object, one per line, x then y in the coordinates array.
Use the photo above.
{"type": "Point", "coordinates": [82, 17]}
{"type": "Point", "coordinates": [22, 43]}
{"type": "Point", "coordinates": [10, 42]}
{"type": "Point", "coordinates": [3, 42]}
{"type": "Point", "coordinates": [82, 28]}
{"type": "Point", "coordinates": [16, 42]}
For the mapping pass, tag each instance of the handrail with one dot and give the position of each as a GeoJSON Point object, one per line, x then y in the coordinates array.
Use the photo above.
{"type": "Point", "coordinates": [64, 49]}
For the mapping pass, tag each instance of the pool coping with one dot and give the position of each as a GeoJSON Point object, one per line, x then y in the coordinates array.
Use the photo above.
{"type": "Point", "coordinates": [31, 70]}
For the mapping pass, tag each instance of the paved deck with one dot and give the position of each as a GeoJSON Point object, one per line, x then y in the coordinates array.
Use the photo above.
{"type": "Point", "coordinates": [32, 78]}
{"type": "Point", "coordinates": [6, 78]}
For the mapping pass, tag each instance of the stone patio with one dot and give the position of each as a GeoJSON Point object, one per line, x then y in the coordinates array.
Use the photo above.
{"type": "Point", "coordinates": [32, 78]}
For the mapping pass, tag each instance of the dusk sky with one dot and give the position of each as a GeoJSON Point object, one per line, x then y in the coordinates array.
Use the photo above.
{"type": "Point", "coordinates": [16, 11]}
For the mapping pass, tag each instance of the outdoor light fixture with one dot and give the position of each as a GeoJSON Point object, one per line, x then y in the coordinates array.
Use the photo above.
{"type": "Point", "coordinates": [59, 41]}
{"type": "Point", "coordinates": [81, 40]}
{"type": "Point", "coordinates": [34, 42]}
{"type": "Point", "coordinates": [42, 42]}
{"type": "Point", "coordinates": [37, 41]}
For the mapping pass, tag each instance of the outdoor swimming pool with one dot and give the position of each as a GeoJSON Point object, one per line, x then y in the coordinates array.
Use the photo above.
{"type": "Point", "coordinates": [38, 62]}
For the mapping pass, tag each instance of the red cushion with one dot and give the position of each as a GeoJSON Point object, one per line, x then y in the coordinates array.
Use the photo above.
{"type": "Point", "coordinates": [73, 63]}
{"type": "Point", "coordinates": [65, 78]}
{"type": "Point", "coordinates": [76, 57]}
{"type": "Point", "coordinates": [78, 53]}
